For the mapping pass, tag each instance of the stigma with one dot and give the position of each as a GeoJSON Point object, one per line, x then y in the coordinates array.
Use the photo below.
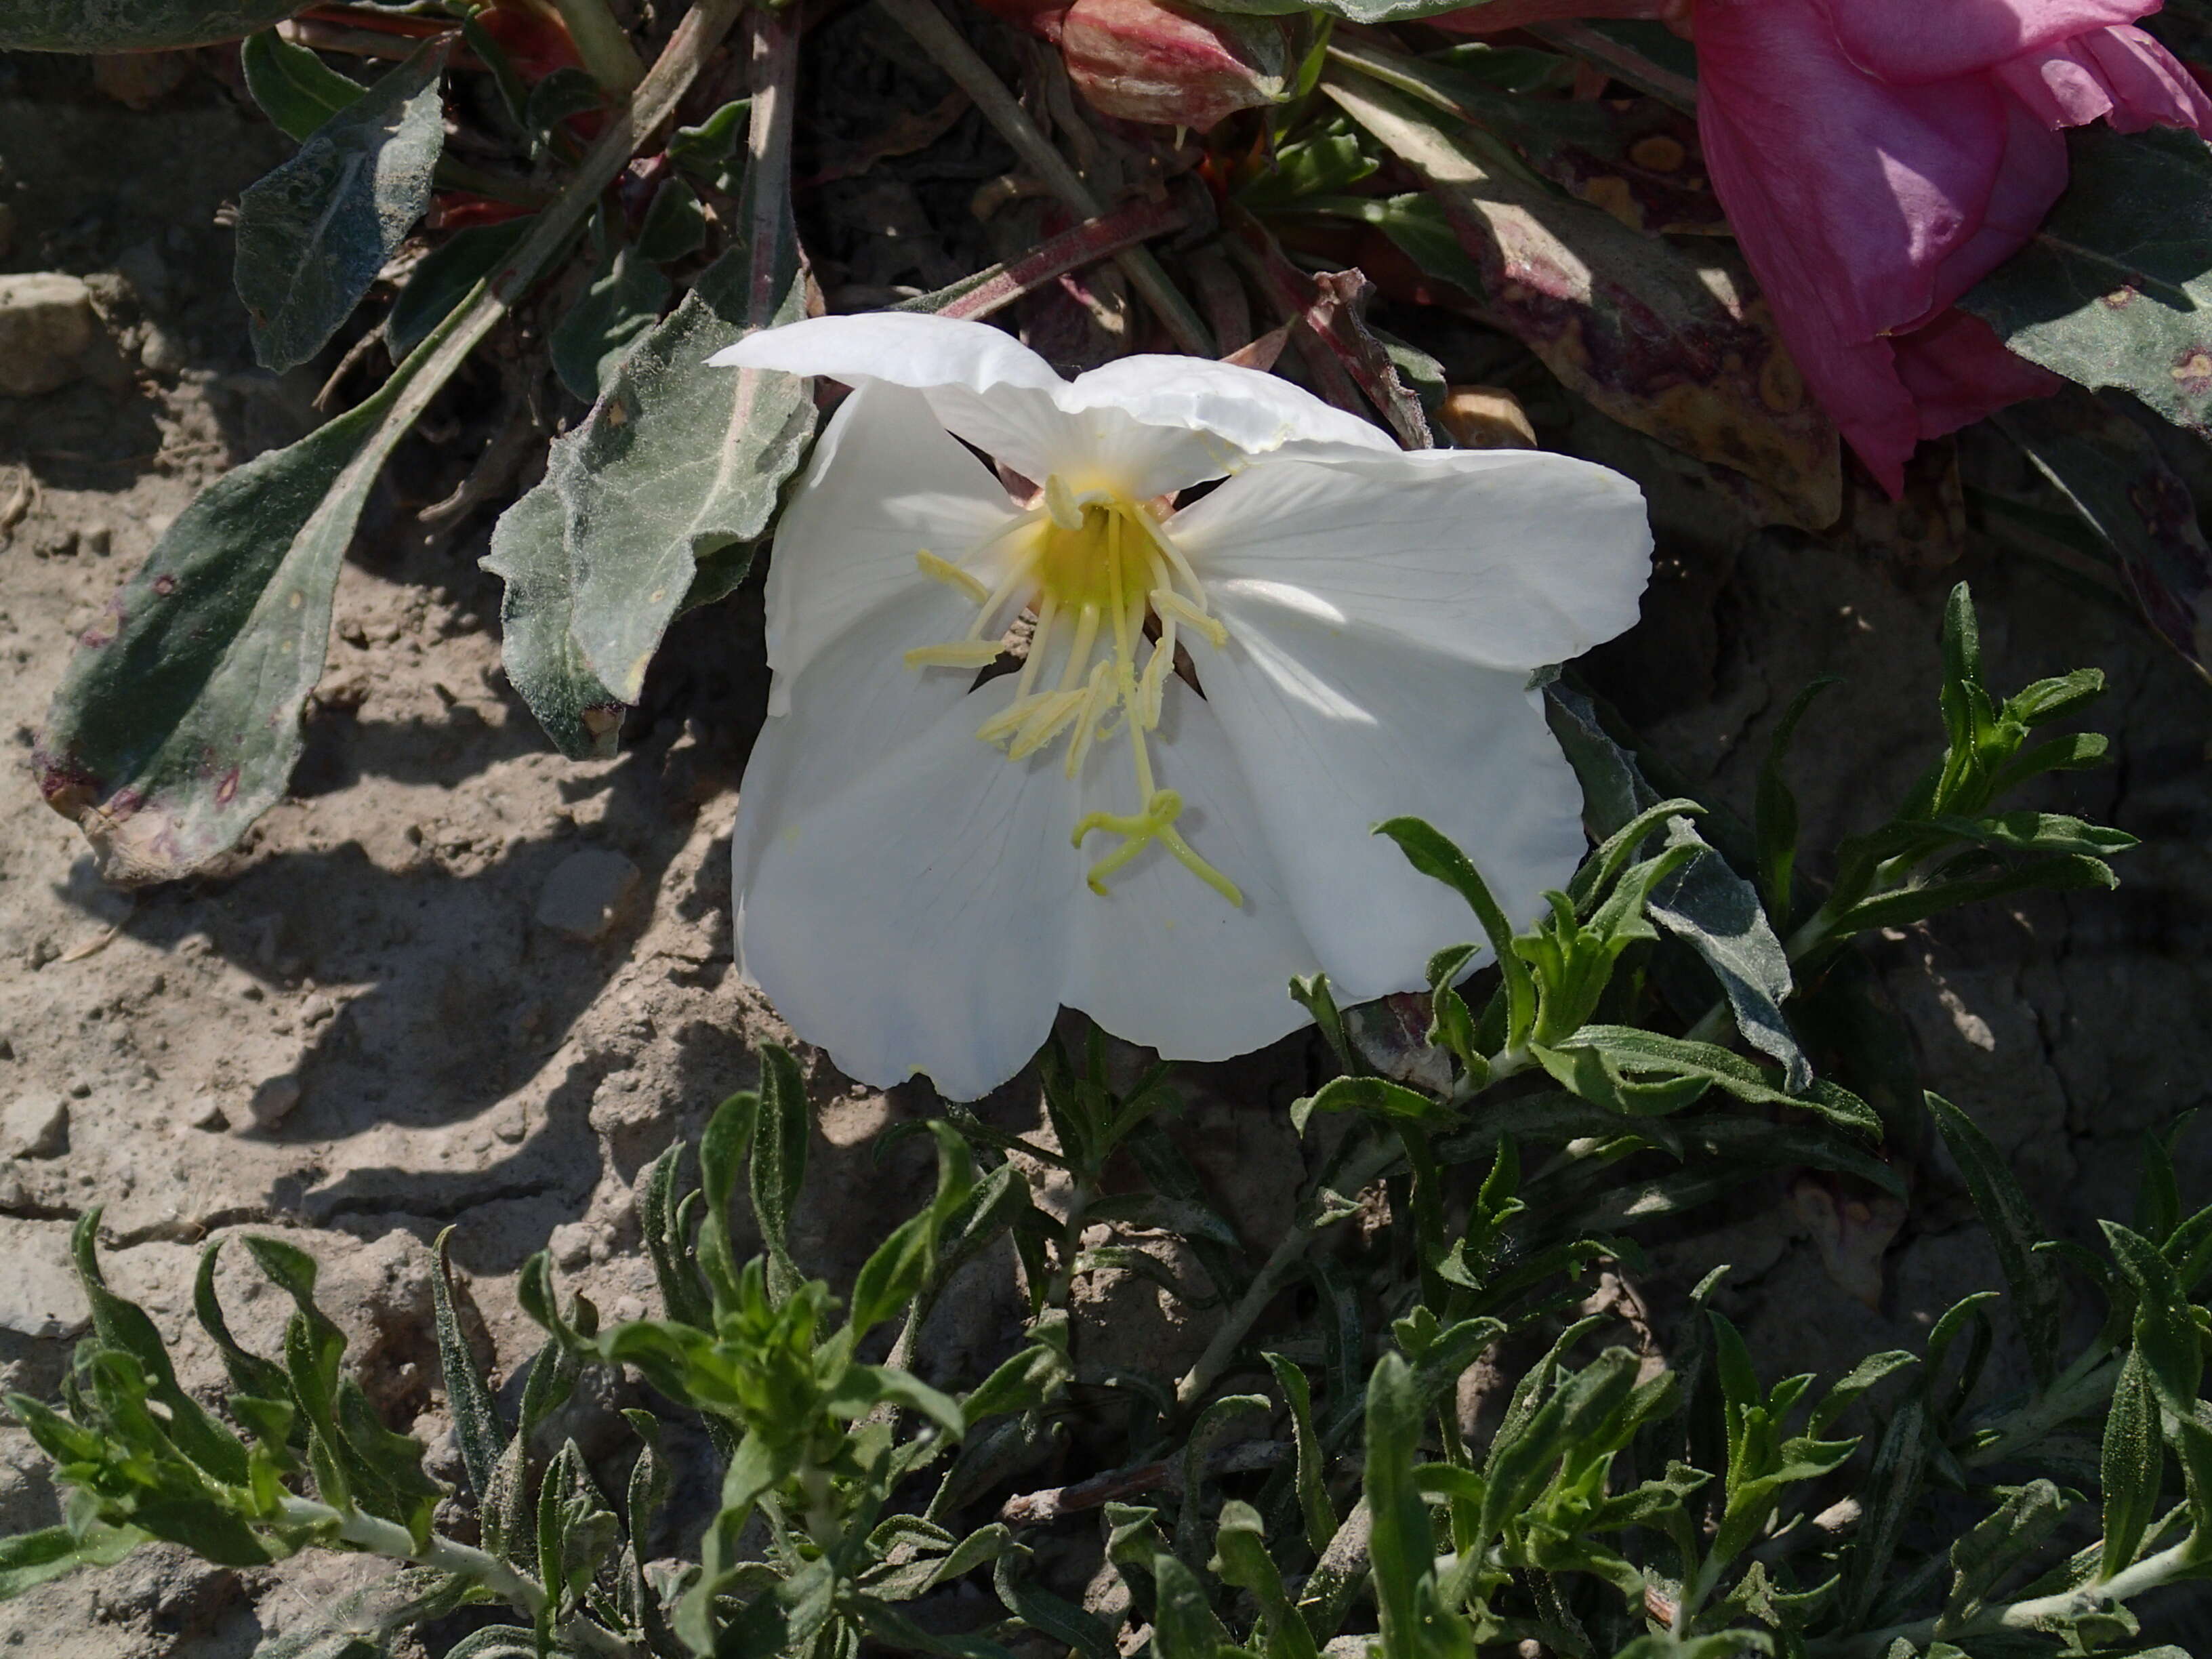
{"type": "Point", "coordinates": [1106, 593]}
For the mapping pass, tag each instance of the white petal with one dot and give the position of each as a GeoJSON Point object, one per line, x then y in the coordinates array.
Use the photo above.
{"type": "Point", "coordinates": [885, 482]}
{"type": "Point", "coordinates": [1163, 959]}
{"type": "Point", "coordinates": [1145, 426]}
{"type": "Point", "coordinates": [1511, 558]}
{"type": "Point", "coordinates": [902, 889]}
{"type": "Point", "coordinates": [1337, 728]}
{"type": "Point", "coordinates": [981, 383]}
{"type": "Point", "coordinates": [1188, 420]}
{"type": "Point", "coordinates": [856, 706]}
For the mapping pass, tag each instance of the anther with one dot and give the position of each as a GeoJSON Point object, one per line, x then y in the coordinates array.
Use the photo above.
{"type": "Point", "coordinates": [1170, 603]}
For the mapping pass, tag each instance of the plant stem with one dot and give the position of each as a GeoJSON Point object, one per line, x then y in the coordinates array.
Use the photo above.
{"type": "Point", "coordinates": [959, 60]}
{"type": "Point", "coordinates": [2087, 1381]}
{"type": "Point", "coordinates": [2038, 1613]}
{"type": "Point", "coordinates": [603, 44]}
{"type": "Point", "coordinates": [392, 1542]}
{"type": "Point", "coordinates": [1270, 1278]}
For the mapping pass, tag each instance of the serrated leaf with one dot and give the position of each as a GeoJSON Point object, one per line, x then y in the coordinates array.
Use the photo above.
{"type": "Point", "coordinates": [2114, 289]}
{"type": "Point", "coordinates": [312, 235]}
{"type": "Point", "coordinates": [2039, 1297]}
{"type": "Point", "coordinates": [85, 26]}
{"type": "Point", "coordinates": [1318, 1513]}
{"type": "Point", "coordinates": [1889, 1492]}
{"type": "Point", "coordinates": [1048, 1615]}
{"type": "Point", "coordinates": [294, 86]}
{"type": "Point", "coordinates": [1615, 314]}
{"type": "Point", "coordinates": [675, 462]}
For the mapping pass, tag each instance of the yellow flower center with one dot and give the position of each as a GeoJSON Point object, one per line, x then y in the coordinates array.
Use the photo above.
{"type": "Point", "coordinates": [1099, 571]}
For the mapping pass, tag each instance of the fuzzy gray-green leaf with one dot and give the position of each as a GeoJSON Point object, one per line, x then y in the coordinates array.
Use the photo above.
{"type": "Point", "coordinates": [312, 235]}
{"type": "Point", "coordinates": [675, 462]}
{"type": "Point", "coordinates": [82, 26]}
{"type": "Point", "coordinates": [2117, 286]}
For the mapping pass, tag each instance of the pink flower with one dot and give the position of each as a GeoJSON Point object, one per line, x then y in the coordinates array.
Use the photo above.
{"type": "Point", "coordinates": [1877, 158]}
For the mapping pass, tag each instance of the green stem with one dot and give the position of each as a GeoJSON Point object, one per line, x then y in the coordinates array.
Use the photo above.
{"type": "Point", "coordinates": [1273, 1274]}
{"type": "Point", "coordinates": [2082, 1386]}
{"type": "Point", "coordinates": [2037, 1614]}
{"type": "Point", "coordinates": [603, 44]}
{"type": "Point", "coordinates": [959, 60]}
{"type": "Point", "coordinates": [392, 1542]}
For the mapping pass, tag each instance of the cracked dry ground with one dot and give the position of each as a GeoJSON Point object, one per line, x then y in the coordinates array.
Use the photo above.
{"type": "Point", "coordinates": [391, 968]}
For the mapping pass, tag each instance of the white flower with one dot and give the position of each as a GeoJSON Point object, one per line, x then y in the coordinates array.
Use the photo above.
{"type": "Point", "coordinates": [1163, 814]}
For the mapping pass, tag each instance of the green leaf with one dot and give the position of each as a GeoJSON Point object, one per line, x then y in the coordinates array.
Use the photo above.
{"type": "Point", "coordinates": [468, 1396]}
{"type": "Point", "coordinates": [1183, 1623]}
{"type": "Point", "coordinates": [1892, 1489]}
{"type": "Point", "coordinates": [31, 1559]}
{"type": "Point", "coordinates": [1631, 1050]}
{"type": "Point", "coordinates": [2111, 473]}
{"type": "Point", "coordinates": [1614, 314]}
{"type": "Point", "coordinates": [177, 721]}
{"type": "Point", "coordinates": [2167, 1341]}
{"type": "Point", "coordinates": [1434, 854]}
{"type": "Point", "coordinates": [1048, 1615]}
{"type": "Point", "coordinates": [294, 88]}
{"type": "Point", "coordinates": [620, 306]}
{"type": "Point", "coordinates": [1312, 1473]}
{"type": "Point", "coordinates": [2014, 1230]}
{"type": "Point", "coordinates": [1377, 1096]}
{"type": "Point", "coordinates": [313, 234]}
{"type": "Point", "coordinates": [444, 276]}
{"type": "Point", "coordinates": [779, 1162]}
{"type": "Point", "coordinates": [1241, 1559]}
{"type": "Point", "coordinates": [1706, 904]}
{"type": "Point", "coordinates": [675, 226]}
{"type": "Point", "coordinates": [2066, 872]}
{"type": "Point", "coordinates": [1980, 1560]}
{"type": "Point", "coordinates": [1776, 812]}
{"type": "Point", "coordinates": [2114, 288]}
{"type": "Point", "coordinates": [2131, 1467]}
{"type": "Point", "coordinates": [1401, 1544]}
{"type": "Point", "coordinates": [120, 1323]}
{"type": "Point", "coordinates": [249, 1373]}
{"type": "Point", "coordinates": [85, 26]}
{"type": "Point", "coordinates": [708, 150]}
{"type": "Point", "coordinates": [2035, 832]}
{"type": "Point", "coordinates": [901, 1264]}
{"type": "Point", "coordinates": [677, 461]}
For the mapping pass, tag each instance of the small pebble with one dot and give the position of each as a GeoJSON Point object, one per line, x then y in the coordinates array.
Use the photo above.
{"type": "Point", "coordinates": [34, 1126]}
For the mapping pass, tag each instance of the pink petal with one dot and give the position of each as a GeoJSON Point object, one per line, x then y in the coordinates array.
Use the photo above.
{"type": "Point", "coordinates": [1957, 370]}
{"type": "Point", "coordinates": [2030, 177]}
{"type": "Point", "coordinates": [1848, 195]}
{"type": "Point", "coordinates": [1912, 42]}
{"type": "Point", "coordinates": [2149, 87]}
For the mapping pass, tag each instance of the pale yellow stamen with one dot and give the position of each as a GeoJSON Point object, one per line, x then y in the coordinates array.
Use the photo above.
{"type": "Point", "coordinates": [951, 575]}
{"type": "Point", "coordinates": [961, 653]}
{"type": "Point", "coordinates": [1168, 603]}
{"type": "Point", "coordinates": [1081, 558]}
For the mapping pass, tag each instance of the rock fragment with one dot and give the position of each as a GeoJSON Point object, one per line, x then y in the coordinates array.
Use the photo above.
{"type": "Point", "coordinates": [586, 893]}
{"type": "Point", "coordinates": [47, 322]}
{"type": "Point", "coordinates": [34, 1126]}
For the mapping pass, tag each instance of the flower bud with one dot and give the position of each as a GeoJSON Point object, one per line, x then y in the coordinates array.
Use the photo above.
{"type": "Point", "coordinates": [1147, 60]}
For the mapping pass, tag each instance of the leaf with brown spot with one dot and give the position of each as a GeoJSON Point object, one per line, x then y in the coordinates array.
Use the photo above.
{"type": "Point", "coordinates": [1671, 344]}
